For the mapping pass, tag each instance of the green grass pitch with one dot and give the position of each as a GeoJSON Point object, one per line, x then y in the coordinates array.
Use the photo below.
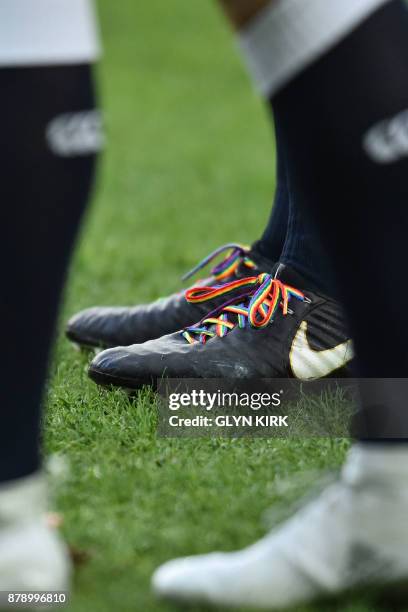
{"type": "Point", "coordinates": [189, 165]}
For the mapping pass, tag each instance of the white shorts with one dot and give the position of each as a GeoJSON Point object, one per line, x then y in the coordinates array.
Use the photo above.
{"type": "Point", "coordinates": [47, 32]}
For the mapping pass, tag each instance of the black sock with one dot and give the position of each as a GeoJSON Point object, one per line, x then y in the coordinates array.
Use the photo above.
{"type": "Point", "coordinates": [303, 248]}
{"type": "Point", "coordinates": [288, 236]}
{"type": "Point", "coordinates": [273, 239]}
{"type": "Point", "coordinates": [49, 136]}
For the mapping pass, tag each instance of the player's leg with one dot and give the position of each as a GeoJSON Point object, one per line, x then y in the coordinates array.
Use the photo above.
{"type": "Point", "coordinates": [301, 248]}
{"type": "Point", "coordinates": [336, 78]}
{"type": "Point", "coordinates": [50, 134]}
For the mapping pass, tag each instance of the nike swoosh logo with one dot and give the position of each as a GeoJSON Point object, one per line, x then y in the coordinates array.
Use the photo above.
{"type": "Point", "coordinates": [308, 364]}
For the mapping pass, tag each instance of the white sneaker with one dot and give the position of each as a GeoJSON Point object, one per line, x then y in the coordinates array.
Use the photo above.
{"type": "Point", "coordinates": [32, 555]}
{"type": "Point", "coordinates": [355, 534]}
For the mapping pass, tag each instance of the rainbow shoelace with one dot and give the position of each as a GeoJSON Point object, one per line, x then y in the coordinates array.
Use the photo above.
{"type": "Point", "coordinates": [227, 267]}
{"type": "Point", "coordinates": [263, 296]}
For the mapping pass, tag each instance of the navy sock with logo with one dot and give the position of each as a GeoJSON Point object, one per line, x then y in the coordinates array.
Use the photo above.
{"type": "Point", "coordinates": [49, 138]}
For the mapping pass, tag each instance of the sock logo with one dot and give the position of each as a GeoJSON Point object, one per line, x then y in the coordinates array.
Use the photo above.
{"type": "Point", "coordinates": [73, 134]}
{"type": "Point", "coordinates": [308, 364]}
{"type": "Point", "coordinates": [387, 141]}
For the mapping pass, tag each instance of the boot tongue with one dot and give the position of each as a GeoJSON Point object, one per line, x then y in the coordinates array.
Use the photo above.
{"type": "Point", "coordinates": [263, 264]}
{"type": "Point", "coordinates": [278, 270]}
{"type": "Point", "coordinates": [289, 276]}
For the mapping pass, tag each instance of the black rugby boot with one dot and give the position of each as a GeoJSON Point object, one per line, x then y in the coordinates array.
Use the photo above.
{"type": "Point", "coordinates": [276, 328]}
{"type": "Point", "coordinates": [106, 326]}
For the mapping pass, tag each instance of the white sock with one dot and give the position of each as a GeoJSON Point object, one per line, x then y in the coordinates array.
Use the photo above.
{"type": "Point", "coordinates": [22, 499]}
{"type": "Point", "coordinates": [288, 35]}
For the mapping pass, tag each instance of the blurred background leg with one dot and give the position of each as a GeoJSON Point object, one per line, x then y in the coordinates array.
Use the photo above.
{"type": "Point", "coordinates": [51, 132]}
